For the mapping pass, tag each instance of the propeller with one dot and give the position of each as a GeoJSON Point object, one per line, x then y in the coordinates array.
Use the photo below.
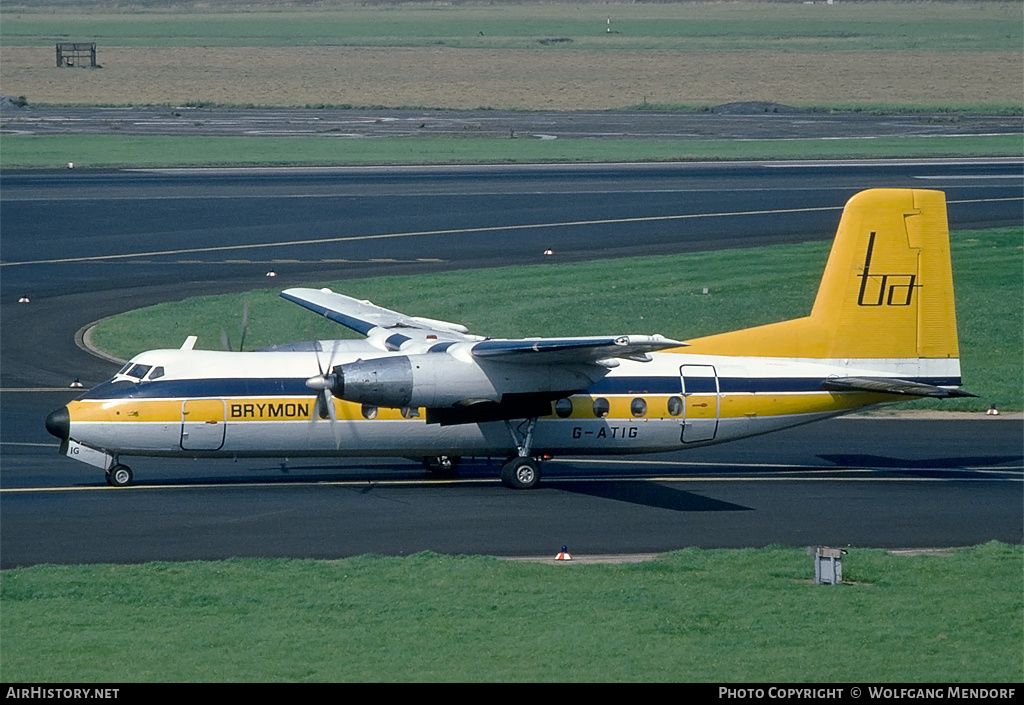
{"type": "Point", "coordinates": [324, 385]}
{"type": "Point", "coordinates": [225, 342]}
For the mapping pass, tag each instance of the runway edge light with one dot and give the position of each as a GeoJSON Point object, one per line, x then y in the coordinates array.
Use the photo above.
{"type": "Point", "coordinates": [564, 555]}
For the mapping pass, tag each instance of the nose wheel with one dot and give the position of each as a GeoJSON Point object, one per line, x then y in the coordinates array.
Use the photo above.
{"type": "Point", "coordinates": [119, 476]}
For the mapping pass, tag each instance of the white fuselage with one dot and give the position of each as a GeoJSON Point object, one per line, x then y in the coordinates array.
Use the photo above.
{"type": "Point", "coordinates": [207, 403]}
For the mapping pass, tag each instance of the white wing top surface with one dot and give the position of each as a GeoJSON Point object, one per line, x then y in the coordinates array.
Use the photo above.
{"type": "Point", "coordinates": [392, 331]}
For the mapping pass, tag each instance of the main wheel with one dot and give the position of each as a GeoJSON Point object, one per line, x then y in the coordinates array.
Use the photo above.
{"type": "Point", "coordinates": [119, 476]}
{"type": "Point", "coordinates": [520, 474]}
{"type": "Point", "coordinates": [442, 464]}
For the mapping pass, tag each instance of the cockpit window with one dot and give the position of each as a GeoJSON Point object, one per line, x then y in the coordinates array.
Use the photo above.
{"type": "Point", "coordinates": [157, 373]}
{"type": "Point", "coordinates": [138, 371]}
{"type": "Point", "coordinates": [124, 370]}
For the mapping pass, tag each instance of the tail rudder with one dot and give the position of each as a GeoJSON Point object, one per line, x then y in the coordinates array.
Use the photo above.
{"type": "Point", "coordinates": [887, 290]}
{"type": "Point", "coordinates": [888, 284]}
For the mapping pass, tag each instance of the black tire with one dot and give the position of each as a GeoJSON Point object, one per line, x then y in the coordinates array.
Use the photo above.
{"type": "Point", "coordinates": [442, 464]}
{"type": "Point", "coordinates": [520, 474]}
{"type": "Point", "coordinates": [119, 476]}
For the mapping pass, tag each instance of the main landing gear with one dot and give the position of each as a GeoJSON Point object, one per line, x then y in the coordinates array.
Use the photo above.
{"type": "Point", "coordinates": [521, 472]}
{"type": "Point", "coordinates": [119, 476]}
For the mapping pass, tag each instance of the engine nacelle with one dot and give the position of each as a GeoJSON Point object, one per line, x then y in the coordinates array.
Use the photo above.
{"type": "Point", "coordinates": [439, 380]}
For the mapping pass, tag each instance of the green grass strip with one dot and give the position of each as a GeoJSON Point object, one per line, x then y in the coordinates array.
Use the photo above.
{"type": "Point", "coordinates": [55, 151]}
{"type": "Point", "coordinates": [747, 287]}
{"type": "Point", "coordinates": [693, 615]}
{"type": "Point", "coordinates": [878, 26]}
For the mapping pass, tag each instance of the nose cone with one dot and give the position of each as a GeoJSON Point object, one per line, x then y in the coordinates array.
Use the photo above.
{"type": "Point", "coordinates": [58, 423]}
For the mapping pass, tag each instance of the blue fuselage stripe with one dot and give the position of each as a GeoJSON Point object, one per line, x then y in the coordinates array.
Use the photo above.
{"type": "Point", "coordinates": [264, 387]}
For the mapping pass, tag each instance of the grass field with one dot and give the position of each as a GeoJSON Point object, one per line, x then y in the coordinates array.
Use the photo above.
{"type": "Point", "coordinates": [891, 25]}
{"type": "Point", "coordinates": [95, 151]}
{"type": "Point", "coordinates": [612, 297]}
{"type": "Point", "coordinates": [960, 55]}
{"type": "Point", "coordinates": [690, 616]}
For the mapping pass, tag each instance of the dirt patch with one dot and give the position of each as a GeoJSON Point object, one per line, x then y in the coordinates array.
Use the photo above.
{"type": "Point", "coordinates": [590, 560]}
{"type": "Point", "coordinates": [910, 552]}
{"type": "Point", "coordinates": [516, 79]}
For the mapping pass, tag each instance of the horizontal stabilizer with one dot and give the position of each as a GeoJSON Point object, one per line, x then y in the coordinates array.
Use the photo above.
{"type": "Point", "coordinates": [887, 385]}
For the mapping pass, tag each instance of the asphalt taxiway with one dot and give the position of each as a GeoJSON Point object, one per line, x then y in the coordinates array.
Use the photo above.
{"type": "Point", "coordinates": [751, 120]}
{"type": "Point", "coordinates": [84, 245]}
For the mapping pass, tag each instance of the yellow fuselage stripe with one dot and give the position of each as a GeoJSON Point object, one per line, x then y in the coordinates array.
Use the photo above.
{"type": "Point", "coordinates": [259, 409]}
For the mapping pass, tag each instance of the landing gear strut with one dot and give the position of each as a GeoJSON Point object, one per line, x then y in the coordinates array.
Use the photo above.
{"type": "Point", "coordinates": [521, 472]}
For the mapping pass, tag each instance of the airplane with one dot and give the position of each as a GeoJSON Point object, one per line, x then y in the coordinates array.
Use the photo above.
{"type": "Point", "coordinates": [882, 329]}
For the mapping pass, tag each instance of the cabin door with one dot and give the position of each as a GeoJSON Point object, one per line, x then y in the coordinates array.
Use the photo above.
{"type": "Point", "coordinates": [700, 402]}
{"type": "Point", "coordinates": [202, 424]}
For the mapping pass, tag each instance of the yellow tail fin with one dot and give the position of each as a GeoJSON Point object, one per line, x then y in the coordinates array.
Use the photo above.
{"type": "Point", "coordinates": [887, 291]}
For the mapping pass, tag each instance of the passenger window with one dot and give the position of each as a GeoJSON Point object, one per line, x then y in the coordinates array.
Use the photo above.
{"type": "Point", "coordinates": [601, 408]}
{"type": "Point", "coordinates": [563, 407]}
{"type": "Point", "coordinates": [675, 406]}
{"type": "Point", "coordinates": [638, 407]}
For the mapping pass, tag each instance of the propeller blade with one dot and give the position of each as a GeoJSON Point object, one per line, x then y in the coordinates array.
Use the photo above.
{"type": "Point", "coordinates": [245, 325]}
{"type": "Point", "coordinates": [324, 383]}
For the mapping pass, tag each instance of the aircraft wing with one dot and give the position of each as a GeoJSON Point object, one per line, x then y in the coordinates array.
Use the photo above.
{"type": "Point", "coordinates": [396, 331]}
{"type": "Point", "coordinates": [367, 318]}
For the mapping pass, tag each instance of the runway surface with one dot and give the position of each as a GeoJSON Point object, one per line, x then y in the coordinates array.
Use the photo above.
{"type": "Point", "coordinates": [734, 121]}
{"type": "Point", "coordinates": [83, 245]}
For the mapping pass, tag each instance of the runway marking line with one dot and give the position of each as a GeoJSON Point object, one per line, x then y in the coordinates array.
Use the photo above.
{"type": "Point", "coordinates": [664, 479]}
{"type": "Point", "coordinates": [454, 231]}
{"type": "Point", "coordinates": [421, 233]}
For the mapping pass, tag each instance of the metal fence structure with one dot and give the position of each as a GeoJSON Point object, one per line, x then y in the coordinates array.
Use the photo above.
{"type": "Point", "coordinates": [76, 54]}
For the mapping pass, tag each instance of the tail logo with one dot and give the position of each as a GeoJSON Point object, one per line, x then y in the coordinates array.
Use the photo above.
{"type": "Point", "coordinates": [891, 289]}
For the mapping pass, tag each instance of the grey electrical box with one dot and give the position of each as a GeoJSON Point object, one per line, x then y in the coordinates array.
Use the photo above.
{"type": "Point", "coordinates": [828, 565]}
